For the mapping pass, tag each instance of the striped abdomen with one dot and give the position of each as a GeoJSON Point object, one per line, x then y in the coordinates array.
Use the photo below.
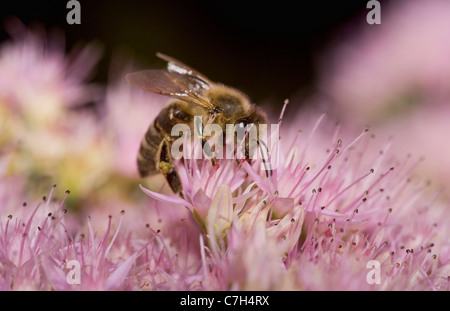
{"type": "Point", "coordinates": [147, 152]}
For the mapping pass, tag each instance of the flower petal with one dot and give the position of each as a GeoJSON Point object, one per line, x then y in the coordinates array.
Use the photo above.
{"type": "Point", "coordinates": [220, 213]}
{"type": "Point", "coordinates": [172, 200]}
{"type": "Point", "coordinates": [116, 278]}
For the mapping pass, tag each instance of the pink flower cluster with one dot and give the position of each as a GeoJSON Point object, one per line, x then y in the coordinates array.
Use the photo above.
{"type": "Point", "coordinates": [331, 207]}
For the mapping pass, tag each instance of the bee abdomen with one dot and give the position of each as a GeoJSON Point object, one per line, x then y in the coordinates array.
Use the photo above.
{"type": "Point", "coordinates": [147, 152]}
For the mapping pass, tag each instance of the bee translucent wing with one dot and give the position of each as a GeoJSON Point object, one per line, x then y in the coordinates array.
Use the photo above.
{"type": "Point", "coordinates": [156, 81]}
{"type": "Point", "coordinates": [182, 86]}
{"type": "Point", "coordinates": [174, 65]}
{"type": "Point", "coordinates": [196, 81]}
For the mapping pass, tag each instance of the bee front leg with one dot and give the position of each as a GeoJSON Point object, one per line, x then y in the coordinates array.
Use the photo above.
{"type": "Point", "coordinates": [208, 151]}
{"type": "Point", "coordinates": [165, 166]}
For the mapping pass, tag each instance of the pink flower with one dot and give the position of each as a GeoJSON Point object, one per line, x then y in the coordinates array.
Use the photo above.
{"type": "Point", "coordinates": [49, 80]}
{"type": "Point", "coordinates": [394, 77]}
{"type": "Point", "coordinates": [392, 68]}
{"type": "Point", "coordinates": [318, 215]}
{"type": "Point", "coordinates": [39, 248]}
{"type": "Point", "coordinates": [333, 204]}
{"type": "Point", "coordinates": [39, 88]}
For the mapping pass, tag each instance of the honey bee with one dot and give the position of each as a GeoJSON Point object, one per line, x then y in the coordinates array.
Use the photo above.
{"type": "Point", "coordinates": [193, 95]}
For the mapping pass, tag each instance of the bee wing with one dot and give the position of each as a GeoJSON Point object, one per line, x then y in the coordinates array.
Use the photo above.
{"type": "Point", "coordinates": [174, 65]}
{"type": "Point", "coordinates": [178, 80]}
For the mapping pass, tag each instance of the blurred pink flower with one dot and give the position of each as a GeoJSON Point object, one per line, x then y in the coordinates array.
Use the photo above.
{"type": "Point", "coordinates": [39, 87]}
{"type": "Point", "coordinates": [49, 80]}
{"type": "Point", "coordinates": [391, 68]}
{"type": "Point", "coordinates": [394, 77]}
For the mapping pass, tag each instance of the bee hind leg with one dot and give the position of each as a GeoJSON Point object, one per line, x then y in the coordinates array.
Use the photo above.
{"type": "Point", "coordinates": [165, 166]}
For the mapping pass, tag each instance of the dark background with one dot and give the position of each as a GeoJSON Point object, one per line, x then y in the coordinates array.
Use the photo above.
{"type": "Point", "coordinates": [268, 49]}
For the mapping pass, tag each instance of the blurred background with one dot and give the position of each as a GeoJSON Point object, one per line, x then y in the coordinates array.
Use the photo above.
{"type": "Point", "coordinates": [393, 77]}
{"type": "Point", "coordinates": [267, 49]}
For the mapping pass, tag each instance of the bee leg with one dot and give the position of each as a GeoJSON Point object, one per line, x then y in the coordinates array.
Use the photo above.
{"type": "Point", "coordinates": [208, 151]}
{"type": "Point", "coordinates": [268, 169]}
{"type": "Point", "coordinates": [165, 166]}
